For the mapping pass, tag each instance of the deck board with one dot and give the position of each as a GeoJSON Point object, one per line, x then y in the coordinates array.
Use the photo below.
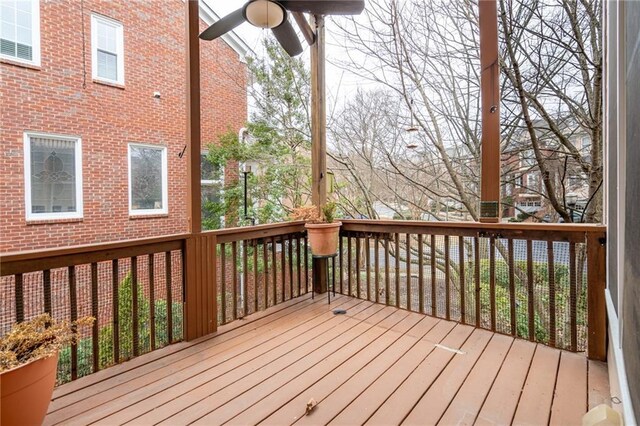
{"type": "Point", "coordinates": [375, 365]}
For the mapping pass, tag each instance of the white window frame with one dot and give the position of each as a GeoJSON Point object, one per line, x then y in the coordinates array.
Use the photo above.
{"type": "Point", "coordinates": [30, 216]}
{"type": "Point", "coordinates": [95, 19]}
{"type": "Point", "coordinates": [165, 184]}
{"type": "Point", "coordinates": [211, 182]}
{"type": "Point", "coordinates": [35, 36]}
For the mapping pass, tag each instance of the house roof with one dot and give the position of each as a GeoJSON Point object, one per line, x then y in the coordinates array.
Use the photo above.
{"type": "Point", "coordinates": [209, 16]}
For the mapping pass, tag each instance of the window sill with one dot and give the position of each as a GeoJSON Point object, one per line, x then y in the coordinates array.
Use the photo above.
{"type": "Point", "coordinates": [20, 64]}
{"type": "Point", "coordinates": [54, 221]}
{"type": "Point", "coordinates": [109, 83]}
{"type": "Point", "coordinates": [148, 216]}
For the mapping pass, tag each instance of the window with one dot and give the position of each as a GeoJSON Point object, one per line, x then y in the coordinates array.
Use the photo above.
{"type": "Point", "coordinates": [586, 145]}
{"type": "Point", "coordinates": [53, 177]}
{"type": "Point", "coordinates": [107, 50]}
{"type": "Point", "coordinates": [532, 181]}
{"type": "Point", "coordinates": [212, 186]}
{"type": "Point", "coordinates": [147, 179]}
{"type": "Point", "coordinates": [20, 30]}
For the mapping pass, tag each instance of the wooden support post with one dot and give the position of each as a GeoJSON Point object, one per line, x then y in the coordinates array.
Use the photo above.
{"type": "Point", "coordinates": [318, 139]}
{"type": "Point", "coordinates": [490, 92]}
{"type": "Point", "coordinates": [200, 250]}
{"type": "Point", "coordinates": [596, 305]}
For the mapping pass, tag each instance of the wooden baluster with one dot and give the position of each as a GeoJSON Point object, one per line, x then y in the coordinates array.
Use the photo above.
{"type": "Point", "coordinates": [245, 280]}
{"type": "Point", "coordinates": [387, 274]}
{"type": "Point", "coordinates": [573, 297]}
{"type": "Point", "coordinates": [358, 284]}
{"type": "Point", "coordinates": [463, 284]}
{"type": "Point", "coordinates": [290, 244]}
{"type": "Point", "coordinates": [552, 294]}
{"type": "Point", "coordinates": [349, 266]}
{"type": "Point", "coordinates": [408, 250]}
{"type": "Point", "coordinates": [283, 267]}
{"type": "Point", "coordinates": [168, 282]}
{"type": "Point", "coordinates": [265, 272]}
{"type": "Point", "coordinates": [476, 244]}
{"type": "Point", "coordinates": [223, 282]}
{"type": "Point", "coordinates": [434, 290]}
{"type": "Point", "coordinates": [306, 265]}
{"type": "Point", "coordinates": [421, 273]}
{"type": "Point", "coordinates": [234, 279]}
{"type": "Point", "coordinates": [255, 275]}
{"type": "Point", "coordinates": [94, 312]}
{"type": "Point", "coordinates": [134, 305]}
{"type": "Point", "coordinates": [397, 280]}
{"type": "Point", "coordinates": [376, 253]}
{"type": "Point", "coordinates": [512, 288]}
{"type": "Point", "coordinates": [367, 256]}
{"type": "Point", "coordinates": [46, 287]}
{"type": "Point", "coordinates": [492, 281]}
{"type": "Point", "coordinates": [18, 286]}
{"type": "Point", "coordinates": [299, 264]}
{"type": "Point", "coordinates": [447, 282]}
{"type": "Point", "coordinates": [115, 301]}
{"type": "Point", "coordinates": [274, 270]}
{"type": "Point", "coordinates": [152, 300]}
{"type": "Point", "coordinates": [73, 306]}
{"type": "Point", "coordinates": [341, 265]}
{"type": "Point", "coordinates": [530, 290]}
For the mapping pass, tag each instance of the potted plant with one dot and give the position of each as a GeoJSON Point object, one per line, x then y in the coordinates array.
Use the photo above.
{"type": "Point", "coordinates": [322, 229]}
{"type": "Point", "coordinates": [28, 366]}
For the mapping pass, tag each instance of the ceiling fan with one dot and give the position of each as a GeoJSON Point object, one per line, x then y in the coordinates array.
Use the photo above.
{"type": "Point", "coordinates": [275, 16]}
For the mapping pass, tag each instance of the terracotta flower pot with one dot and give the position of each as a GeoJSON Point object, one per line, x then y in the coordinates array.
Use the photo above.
{"type": "Point", "coordinates": [26, 392]}
{"type": "Point", "coordinates": [323, 237]}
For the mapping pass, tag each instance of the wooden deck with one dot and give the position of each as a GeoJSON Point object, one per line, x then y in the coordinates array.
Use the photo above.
{"type": "Point", "coordinates": [375, 365]}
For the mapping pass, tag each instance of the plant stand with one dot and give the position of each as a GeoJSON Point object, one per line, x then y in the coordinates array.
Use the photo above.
{"type": "Point", "coordinates": [331, 281]}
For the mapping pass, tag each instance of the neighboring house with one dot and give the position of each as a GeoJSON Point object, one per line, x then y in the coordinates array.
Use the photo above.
{"type": "Point", "coordinates": [524, 188]}
{"type": "Point", "coordinates": [93, 118]}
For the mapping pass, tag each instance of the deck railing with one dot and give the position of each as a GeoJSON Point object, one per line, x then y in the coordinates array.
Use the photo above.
{"type": "Point", "coordinates": [134, 289]}
{"type": "Point", "coordinates": [259, 267]}
{"type": "Point", "coordinates": [544, 283]}
{"type": "Point", "coordinates": [541, 282]}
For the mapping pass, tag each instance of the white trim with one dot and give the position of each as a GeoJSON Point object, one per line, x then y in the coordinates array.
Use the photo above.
{"type": "Point", "coordinates": [209, 16]}
{"type": "Point", "coordinates": [29, 215]}
{"type": "Point", "coordinates": [614, 334]}
{"type": "Point", "coordinates": [95, 19]}
{"type": "Point", "coordinates": [165, 187]}
{"type": "Point", "coordinates": [35, 38]}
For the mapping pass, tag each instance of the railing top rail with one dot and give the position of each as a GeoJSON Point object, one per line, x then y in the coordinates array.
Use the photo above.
{"type": "Point", "coordinates": [36, 260]}
{"type": "Point", "coordinates": [259, 231]}
{"type": "Point", "coordinates": [551, 227]}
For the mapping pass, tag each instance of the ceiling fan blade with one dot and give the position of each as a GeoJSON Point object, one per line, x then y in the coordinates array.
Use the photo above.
{"type": "Point", "coordinates": [224, 25]}
{"type": "Point", "coordinates": [288, 38]}
{"type": "Point", "coordinates": [324, 7]}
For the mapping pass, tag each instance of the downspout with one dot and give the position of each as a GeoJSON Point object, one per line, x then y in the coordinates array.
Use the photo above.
{"type": "Point", "coordinates": [242, 137]}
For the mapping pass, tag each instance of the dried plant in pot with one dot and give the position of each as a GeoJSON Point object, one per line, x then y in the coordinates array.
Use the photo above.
{"type": "Point", "coordinates": [322, 228]}
{"type": "Point", "coordinates": [28, 366]}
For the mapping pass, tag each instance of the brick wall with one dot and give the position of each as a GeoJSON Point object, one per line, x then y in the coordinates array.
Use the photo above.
{"type": "Point", "coordinates": [60, 98]}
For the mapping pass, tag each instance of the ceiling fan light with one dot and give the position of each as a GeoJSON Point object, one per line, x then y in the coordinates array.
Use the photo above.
{"type": "Point", "coordinates": [264, 13]}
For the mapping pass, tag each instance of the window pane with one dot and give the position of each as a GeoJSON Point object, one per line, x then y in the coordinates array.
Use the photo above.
{"type": "Point", "coordinates": [24, 52]}
{"type": "Point", "coordinates": [7, 47]}
{"type": "Point", "coordinates": [106, 37]}
{"type": "Point", "coordinates": [107, 65]}
{"type": "Point", "coordinates": [146, 178]}
{"type": "Point", "coordinates": [208, 170]}
{"type": "Point", "coordinates": [53, 175]}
